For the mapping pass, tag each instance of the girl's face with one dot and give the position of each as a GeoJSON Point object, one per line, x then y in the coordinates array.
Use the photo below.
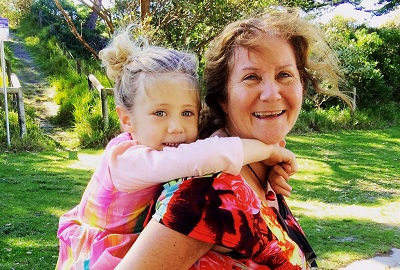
{"type": "Point", "coordinates": [264, 92]}
{"type": "Point", "coordinates": [167, 115]}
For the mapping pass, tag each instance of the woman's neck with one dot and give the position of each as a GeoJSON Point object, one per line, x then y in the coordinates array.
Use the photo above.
{"type": "Point", "coordinates": [260, 172]}
{"type": "Point", "coordinates": [255, 175]}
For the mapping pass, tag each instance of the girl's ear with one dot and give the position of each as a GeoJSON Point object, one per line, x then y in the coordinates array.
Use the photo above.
{"type": "Point", "coordinates": [125, 119]}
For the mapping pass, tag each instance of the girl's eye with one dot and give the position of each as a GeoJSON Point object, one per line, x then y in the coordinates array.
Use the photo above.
{"type": "Point", "coordinates": [187, 113]}
{"type": "Point", "coordinates": [160, 113]}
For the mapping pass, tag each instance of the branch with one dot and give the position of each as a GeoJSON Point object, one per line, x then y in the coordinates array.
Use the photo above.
{"type": "Point", "coordinates": [102, 12]}
{"type": "Point", "coordinates": [74, 31]}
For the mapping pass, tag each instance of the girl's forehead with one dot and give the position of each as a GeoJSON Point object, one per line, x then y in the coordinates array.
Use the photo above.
{"type": "Point", "coordinates": [167, 88]}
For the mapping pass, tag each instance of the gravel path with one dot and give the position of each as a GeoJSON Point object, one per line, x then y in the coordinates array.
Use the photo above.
{"type": "Point", "coordinates": [38, 93]}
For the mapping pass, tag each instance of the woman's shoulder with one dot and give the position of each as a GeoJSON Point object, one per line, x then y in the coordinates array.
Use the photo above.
{"type": "Point", "coordinates": [209, 194]}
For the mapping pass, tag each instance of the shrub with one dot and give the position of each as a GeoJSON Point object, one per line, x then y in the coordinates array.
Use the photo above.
{"type": "Point", "coordinates": [34, 140]}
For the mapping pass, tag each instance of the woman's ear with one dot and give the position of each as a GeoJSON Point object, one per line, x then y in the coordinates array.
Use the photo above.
{"type": "Point", "coordinates": [125, 119]}
{"type": "Point", "coordinates": [223, 106]}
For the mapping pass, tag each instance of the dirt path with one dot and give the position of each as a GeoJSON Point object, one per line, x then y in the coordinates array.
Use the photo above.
{"type": "Point", "coordinates": [38, 93]}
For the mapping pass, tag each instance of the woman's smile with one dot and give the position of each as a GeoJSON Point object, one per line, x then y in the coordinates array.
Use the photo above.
{"type": "Point", "coordinates": [263, 115]}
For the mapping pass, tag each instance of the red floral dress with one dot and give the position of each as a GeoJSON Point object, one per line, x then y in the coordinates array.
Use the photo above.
{"type": "Point", "coordinates": [222, 209]}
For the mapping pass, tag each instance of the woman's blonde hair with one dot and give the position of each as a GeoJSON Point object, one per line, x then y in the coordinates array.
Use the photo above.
{"type": "Point", "coordinates": [135, 65]}
{"type": "Point", "coordinates": [315, 60]}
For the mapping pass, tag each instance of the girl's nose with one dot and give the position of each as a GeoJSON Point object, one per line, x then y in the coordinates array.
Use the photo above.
{"type": "Point", "coordinates": [270, 91]}
{"type": "Point", "coordinates": [175, 126]}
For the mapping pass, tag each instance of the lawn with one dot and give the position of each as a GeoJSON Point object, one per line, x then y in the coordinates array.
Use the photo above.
{"type": "Point", "coordinates": [346, 196]}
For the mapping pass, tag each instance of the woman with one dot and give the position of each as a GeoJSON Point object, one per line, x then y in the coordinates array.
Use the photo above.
{"type": "Point", "coordinates": [256, 74]}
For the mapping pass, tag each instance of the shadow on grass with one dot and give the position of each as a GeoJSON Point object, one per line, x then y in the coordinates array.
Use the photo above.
{"type": "Point", "coordinates": [338, 242]}
{"type": "Point", "coordinates": [35, 189]}
{"type": "Point", "coordinates": [349, 168]}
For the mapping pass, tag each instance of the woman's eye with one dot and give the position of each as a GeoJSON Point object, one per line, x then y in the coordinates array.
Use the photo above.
{"type": "Point", "coordinates": [251, 77]}
{"type": "Point", "coordinates": [284, 75]}
{"type": "Point", "coordinates": [187, 113]}
{"type": "Point", "coordinates": [160, 113]}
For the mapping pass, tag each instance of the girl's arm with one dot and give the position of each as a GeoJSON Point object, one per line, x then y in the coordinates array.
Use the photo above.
{"type": "Point", "coordinates": [159, 247]}
{"type": "Point", "coordinates": [134, 167]}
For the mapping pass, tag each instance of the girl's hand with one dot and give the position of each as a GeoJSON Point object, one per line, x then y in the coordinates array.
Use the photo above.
{"type": "Point", "coordinates": [278, 177]}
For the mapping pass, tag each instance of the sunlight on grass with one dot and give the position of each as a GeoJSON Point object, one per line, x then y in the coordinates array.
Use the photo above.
{"type": "Point", "coordinates": [23, 242]}
{"type": "Point", "coordinates": [388, 214]}
{"type": "Point", "coordinates": [339, 259]}
{"type": "Point", "coordinates": [56, 211]}
{"type": "Point", "coordinates": [311, 170]}
{"type": "Point", "coordinates": [86, 160]}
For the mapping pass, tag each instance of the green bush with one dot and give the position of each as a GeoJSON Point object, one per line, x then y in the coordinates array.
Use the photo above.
{"type": "Point", "coordinates": [336, 119]}
{"type": "Point", "coordinates": [34, 140]}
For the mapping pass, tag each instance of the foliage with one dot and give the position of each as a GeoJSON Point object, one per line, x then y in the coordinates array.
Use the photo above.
{"type": "Point", "coordinates": [14, 10]}
{"type": "Point", "coordinates": [370, 59]}
{"type": "Point", "coordinates": [45, 15]}
{"type": "Point", "coordinates": [166, 20]}
{"type": "Point", "coordinates": [335, 119]}
{"type": "Point", "coordinates": [34, 140]}
{"type": "Point", "coordinates": [387, 6]}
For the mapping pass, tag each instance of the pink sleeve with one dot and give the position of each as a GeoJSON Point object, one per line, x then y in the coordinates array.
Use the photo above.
{"type": "Point", "coordinates": [134, 167]}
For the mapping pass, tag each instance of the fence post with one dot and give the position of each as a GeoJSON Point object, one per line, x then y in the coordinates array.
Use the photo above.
{"type": "Point", "coordinates": [78, 66]}
{"type": "Point", "coordinates": [8, 70]}
{"type": "Point", "coordinates": [104, 107]}
{"type": "Point", "coordinates": [21, 114]}
{"type": "Point", "coordinates": [93, 82]}
{"type": "Point", "coordinates": [40, 19]}
{"type": "Point", "coordinates": [14, 82]}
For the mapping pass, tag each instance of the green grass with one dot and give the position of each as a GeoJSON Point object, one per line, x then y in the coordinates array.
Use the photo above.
{"type": "Point", "coordinates": [346, 196]}
{"type": "Point", "coordinates": [347, 193]}
{"type": "Point", "coordinates": [35, 189]}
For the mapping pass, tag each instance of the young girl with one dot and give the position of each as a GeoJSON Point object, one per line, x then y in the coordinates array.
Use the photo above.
{"type": "Point", "coordinates": [158, 106]}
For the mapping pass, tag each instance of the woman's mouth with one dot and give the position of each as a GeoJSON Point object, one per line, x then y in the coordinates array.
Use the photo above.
{"type": "Point", "coordinates": [268, 114]}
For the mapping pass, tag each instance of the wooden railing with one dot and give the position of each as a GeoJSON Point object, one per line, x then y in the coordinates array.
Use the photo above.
{"type": "Point", "coordinates": [104, 92]}
{"type": "Point", "coordinates": [15, 90]}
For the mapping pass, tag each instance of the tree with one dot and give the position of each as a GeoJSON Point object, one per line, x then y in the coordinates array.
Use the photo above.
{"type": "Point", "coordinates": [74, 31]}
{"type": "Point", "coordinates": [91, 22]}
{"type": "Point", "coordinates": [387, 6]}
{"type": "Point", "coordinates": [188, 24]}
{"type": "Point", "coordinates": [14, 10]}
{"type": "Point", "coordinates": [370, 59]}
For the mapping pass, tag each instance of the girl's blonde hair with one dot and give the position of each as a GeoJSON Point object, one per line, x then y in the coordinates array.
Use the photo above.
{"type": "Point", "coordinates": [135, 65]}
{"type": "Point", "coordinates": [316, 61]}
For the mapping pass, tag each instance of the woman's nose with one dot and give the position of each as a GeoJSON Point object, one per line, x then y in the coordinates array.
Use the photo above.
{"type": "Point", "coordinates": [175, 126]}
{"type": "Point", "coordinates": [270, 91]}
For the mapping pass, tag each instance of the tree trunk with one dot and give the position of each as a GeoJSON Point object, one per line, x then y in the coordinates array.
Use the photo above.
{"type": "Point", "coordinates": [144, 11]}
{"type": "Point", "coordinates": [91, 22]}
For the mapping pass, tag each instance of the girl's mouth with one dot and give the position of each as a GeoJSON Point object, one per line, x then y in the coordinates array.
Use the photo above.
{"type": "Point", "coordinates": [172, 144]}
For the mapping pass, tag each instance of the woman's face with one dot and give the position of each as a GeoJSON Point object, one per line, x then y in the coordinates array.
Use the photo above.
{"type": "Point", "coordinates": [264, 92]}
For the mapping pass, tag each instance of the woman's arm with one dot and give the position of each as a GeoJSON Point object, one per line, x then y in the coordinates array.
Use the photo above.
{"type": "Point", "coordinates": [159, 247]}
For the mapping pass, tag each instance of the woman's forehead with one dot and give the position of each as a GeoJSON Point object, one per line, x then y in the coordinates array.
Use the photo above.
{"type": "Point", "coordinates": [269, 50]}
